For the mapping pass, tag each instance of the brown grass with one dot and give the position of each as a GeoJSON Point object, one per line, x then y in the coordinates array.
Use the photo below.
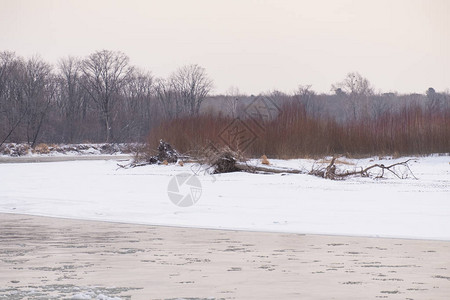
{"type": "Point", "coordinates": [411, 131]}
{"type": "Point", "coordinates": [336, 162]}
{"type": "Point", "coordinates": [41, 149]}
{"type": "Point", "coordinates": [264, 160]}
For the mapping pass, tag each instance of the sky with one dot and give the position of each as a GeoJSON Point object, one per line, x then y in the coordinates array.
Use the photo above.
{"type": "Point", "coordinates": [257, 46]}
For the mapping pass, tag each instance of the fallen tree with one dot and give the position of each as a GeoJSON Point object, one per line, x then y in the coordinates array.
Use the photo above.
{"type": "Point", "coordinates": [331, 171]}
{"type": "Point", "coordinates": [227, 160]}
{"type": "Point", "coordinates": [228, 163]}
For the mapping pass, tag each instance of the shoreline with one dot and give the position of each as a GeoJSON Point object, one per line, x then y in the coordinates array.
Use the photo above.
{"type": "Point", "coordinates": [248, 230]}
{"type": "Point", "coordinates": [62, 158]}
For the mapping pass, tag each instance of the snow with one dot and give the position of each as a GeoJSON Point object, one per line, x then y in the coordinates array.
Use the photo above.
{"type": "Point", "coordinates": [81, 296]}
{"type": "Point", "coordinates": [92, 295]}
{"type": "Point", "coordinates": [99, 190]}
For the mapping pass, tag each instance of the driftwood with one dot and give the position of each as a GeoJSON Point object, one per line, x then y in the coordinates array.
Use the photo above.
{"type": "Point", "coordinates": [269, 170]}
{"type": "Point", "coordinates": [331, 172]}
{"type": "Point", "coordinates": [226, 161]}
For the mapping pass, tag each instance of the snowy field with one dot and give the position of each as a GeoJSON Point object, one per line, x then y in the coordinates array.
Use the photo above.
{"type": "Point", "coordinates": [99, 190]}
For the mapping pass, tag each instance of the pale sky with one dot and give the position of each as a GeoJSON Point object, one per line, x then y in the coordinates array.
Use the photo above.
{"type": "Point", "coordinates": [257, 46]}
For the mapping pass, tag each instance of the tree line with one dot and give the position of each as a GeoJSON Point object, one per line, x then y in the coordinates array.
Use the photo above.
{"type": "Point", "coordinates": [103, 98]}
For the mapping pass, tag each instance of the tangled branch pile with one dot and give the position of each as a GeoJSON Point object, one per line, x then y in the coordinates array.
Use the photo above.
{"type": "Point", "coordinates": [227, 161]}
{"type": "Point", "coordinates": [164, 154]}
{"type": "Point", "coordinates": [331, 171]}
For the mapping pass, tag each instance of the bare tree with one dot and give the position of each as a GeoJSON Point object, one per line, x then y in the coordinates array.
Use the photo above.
{"type": "Point", "coordinates": [355, 84]}
{"type": "Point", "coordinates": [105, 74]}
{"type": "Point", "coordinates": [305, 95]}
{"type": "Point", "coordinates": [167, 97]}
{"type": "Point", "coordinates": [380, 104]}
{"type": "Point", "coordinates": [39, 90]}
{"type": "Point", "coordinates": [71, 98]}
{"type": "Point", "coordinates": [137, 108]}
{"type": "Point", "coordinates": [13, 108]}
{"type": "Point", "coordinates": [434, 100]}
{"type": "Point", "coordinates": [232, 101]}
{"type": "Point", "coordinates": [357, 89]}
{"type": "Point", "coordinates": [446, 99]}
{"type": "Point", "coordinates": [192, 85]}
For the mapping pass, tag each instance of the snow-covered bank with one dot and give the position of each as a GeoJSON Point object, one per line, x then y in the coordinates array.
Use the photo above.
{"type": "Point", "coordinates": [56, 150]}
{"type": "Point", "coordinates": [98, 190]}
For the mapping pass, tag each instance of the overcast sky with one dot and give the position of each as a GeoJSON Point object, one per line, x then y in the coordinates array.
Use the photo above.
{"type": "Point", "coordinates": [257, 46]}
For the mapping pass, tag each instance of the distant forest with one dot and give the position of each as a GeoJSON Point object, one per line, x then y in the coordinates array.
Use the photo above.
{"type": "Point", "coordinates": [103, 98]}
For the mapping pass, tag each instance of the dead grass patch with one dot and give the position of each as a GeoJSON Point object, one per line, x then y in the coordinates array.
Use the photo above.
{"type": "Point", "coordinates": [41, 149]}
{"type": "Point", "coordinates": [336, 162]}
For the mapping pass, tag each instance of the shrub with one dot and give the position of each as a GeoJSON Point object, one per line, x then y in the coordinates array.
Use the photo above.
{"type": "Point", "coordinates": [294, 133]}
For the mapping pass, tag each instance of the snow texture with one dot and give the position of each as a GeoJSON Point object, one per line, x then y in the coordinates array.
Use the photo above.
{"type": "Point", "coordinates": [99, 190]}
